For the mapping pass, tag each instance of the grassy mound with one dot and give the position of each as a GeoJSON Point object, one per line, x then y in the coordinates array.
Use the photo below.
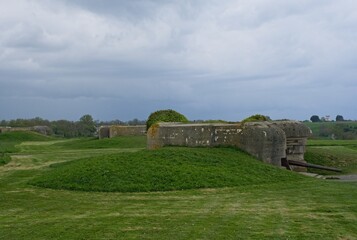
{"type": "Point", "coordinates": [163, 170]}
{"type": "Point", "coordinates": [344, 158]}
{"type": "Point", "coordinates": [9, 140]}
{"type": "Point", "coordinates": [333, 153]}
{"type": "Point", "coordinates": [94, 143]}
{"type": "Point", "coordinates": [22, 136]}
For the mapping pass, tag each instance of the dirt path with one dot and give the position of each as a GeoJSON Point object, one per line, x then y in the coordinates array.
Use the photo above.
{"type": "Point", "coordinates": [344, 178]}
{"type": "Point", "coordinates": [347, 178]}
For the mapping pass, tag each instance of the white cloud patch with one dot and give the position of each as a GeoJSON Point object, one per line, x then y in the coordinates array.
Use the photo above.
{"type": "Point", "coordinates": [211, 59]}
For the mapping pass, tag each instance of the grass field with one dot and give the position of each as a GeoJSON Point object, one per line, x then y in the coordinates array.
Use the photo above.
{"type": "Point", "coordinates": [337, 130]}
{"type": "Point", "coordinates": [9, 140]}
{"type": "Point", "coordinates": [287, 207]}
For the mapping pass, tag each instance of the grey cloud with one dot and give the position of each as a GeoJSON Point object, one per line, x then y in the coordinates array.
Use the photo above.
{"type": "Point", "coordinates": [210, 59]}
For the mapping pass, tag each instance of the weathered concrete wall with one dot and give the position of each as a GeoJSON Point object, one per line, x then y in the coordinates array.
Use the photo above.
{"type": "Point", "coordinates": [103, 132]}
{"type": "Point", "coordinates": [117, 130]}
{"type": "Point", "coordinates": [191, 135]}
{"type": "Point", "coordinates": [45, 130]}
{"type": "Point", "coordinates": [15, 129]}
{"type": "Point", "coordinates": [296, 138]}
{"type": "Point", "coordinates": [265, 140]}
{"type": "Point", "coordinates": [262, 140]}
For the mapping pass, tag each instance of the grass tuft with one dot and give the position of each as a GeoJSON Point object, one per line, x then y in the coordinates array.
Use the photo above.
{"type": "Point", "coordinates": [4, 159]}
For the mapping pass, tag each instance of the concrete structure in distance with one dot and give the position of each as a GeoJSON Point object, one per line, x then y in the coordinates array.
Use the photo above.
{"type": "Point", "coordinates": [267, 141]}
{"type": "Point", "coordinates": [118, 130]}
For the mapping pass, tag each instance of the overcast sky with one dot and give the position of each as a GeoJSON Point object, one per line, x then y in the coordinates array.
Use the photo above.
{"type": "Point", "coordinates": [224, 59]}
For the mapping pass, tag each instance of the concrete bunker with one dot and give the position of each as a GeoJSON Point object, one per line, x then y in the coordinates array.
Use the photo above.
{"type": "Point", "coordinates": [269, 142]}
{"type": "Point", "coordinates": [118, 130]}
{"type": "Point", "coordinates": [296, 137]}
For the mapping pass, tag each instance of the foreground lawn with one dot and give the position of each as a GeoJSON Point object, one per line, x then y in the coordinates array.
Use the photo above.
{"type": "Point", "coordinates": [306, 210]}
{"type": "Point", "coordinates": [293, 207]}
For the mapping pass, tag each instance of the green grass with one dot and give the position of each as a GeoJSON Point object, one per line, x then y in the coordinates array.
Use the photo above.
{"type": "Point", "coordinates": [303, 208]}
{"type": "Point", "coordinates": [338, 130]}
{"type": "Point", "coordinates": [21, 136]}
{"type": "Point", "coordinates": [332, 143]}
{"type": "Point", "coordinates": [163, 170]}
{"type": "Point", "coordinates": [4, 158]}
{"type": "Point", "coordinates": [334, 153]}
{"type": "Point", "coordinates": [9, 140]}
{"type": "Point", "coordinates": [117, 142]}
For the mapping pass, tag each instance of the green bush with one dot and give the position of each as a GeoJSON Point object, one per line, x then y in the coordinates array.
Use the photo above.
{"type": "Point", "coordinates": [165, 116]}
{"type": "Point", "coordinates": [256, 118]}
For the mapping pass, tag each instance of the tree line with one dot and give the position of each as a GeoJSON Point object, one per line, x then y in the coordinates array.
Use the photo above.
{"type": "Point", "coordinates": [316, 118]}
{"type": "Point", "coordinates": [84, 127]}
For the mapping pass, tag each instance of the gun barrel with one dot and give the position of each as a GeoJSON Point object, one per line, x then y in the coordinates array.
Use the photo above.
{"type": "Point", "coordinates": [302, 164]}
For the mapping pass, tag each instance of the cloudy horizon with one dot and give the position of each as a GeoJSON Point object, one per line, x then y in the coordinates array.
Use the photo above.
{"type": "Point", "coordinates": [205, 59]}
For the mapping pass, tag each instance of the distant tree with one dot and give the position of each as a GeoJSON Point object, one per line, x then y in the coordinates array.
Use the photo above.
{"type": "Point", "coordinates": [315, 118]}
{"type": "Point", "coordinates": [27, 122]}
{"type": "Point", "coordinates": [86, 126]}
{"type": "Point", "coordinates": [136, 121]}
{"type": "Point", "coordinates": [64, 128]}
{"type": "Point", "coordinates": [88, 119]}
{"type": "Point", "coordinates": [339, 118]}
{"type": "Point", "coordinates": [112, 122]}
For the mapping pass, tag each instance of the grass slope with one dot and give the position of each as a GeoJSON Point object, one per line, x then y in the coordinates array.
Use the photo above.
{"type": "Point", "coordinates": [163, 170]}
{"type": "Point", "coordinates": [334, 153]}
{"type": "Point", "coordinates": [9, 140]}
{"type": "Point", "coordinates": [21, 136]}
{"type": "Point", "coordinates": [94, 143]}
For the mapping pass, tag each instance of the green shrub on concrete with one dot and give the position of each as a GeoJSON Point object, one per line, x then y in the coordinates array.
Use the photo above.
{"type": "Point", "coordinates": [256, 118]}
{"type": "Point", "coordinates": [165, 116]}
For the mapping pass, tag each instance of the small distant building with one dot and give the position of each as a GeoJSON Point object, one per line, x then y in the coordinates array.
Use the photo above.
{"type": "Point", "coordinates": [14, 129]}
{"type": "Point", "coordinates": [270, 142]}
{"type": "Point", "coordinates": [45, 130]}
{"type": "Point", "coordinates": [119, 130]}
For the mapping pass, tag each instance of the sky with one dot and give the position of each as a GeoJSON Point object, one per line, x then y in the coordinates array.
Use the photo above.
{"type": "Point", "coordinates": [207, 59]}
